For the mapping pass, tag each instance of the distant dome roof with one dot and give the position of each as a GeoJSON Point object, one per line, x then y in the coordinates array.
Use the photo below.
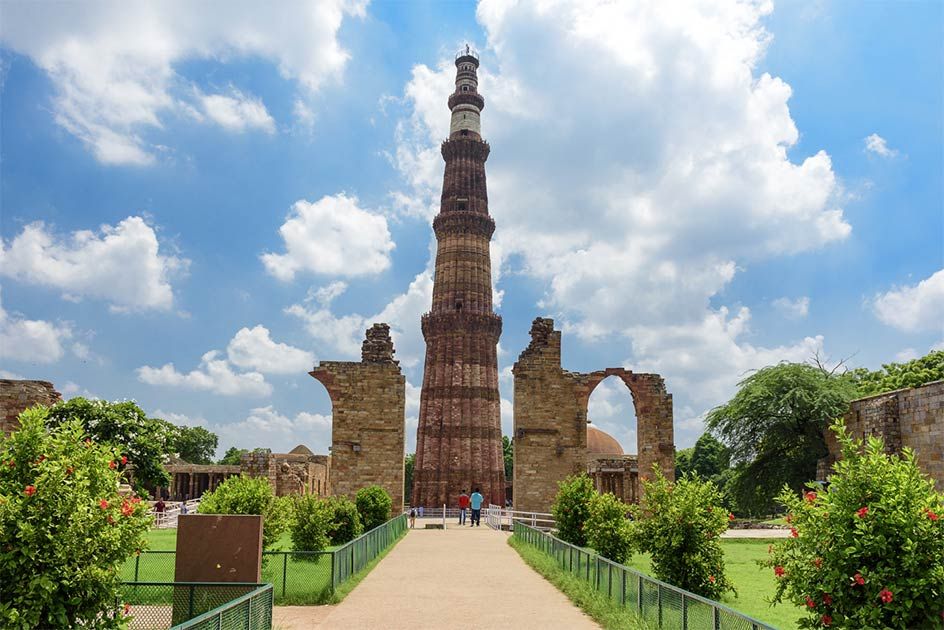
{"type": "Point", "coordinates": [301, 449]}
{"type": "Point", "coordinates": [600, 443]}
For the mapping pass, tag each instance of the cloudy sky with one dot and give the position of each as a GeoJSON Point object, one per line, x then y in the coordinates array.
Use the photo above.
{"type": "Point", "coordinates": [202, 200]}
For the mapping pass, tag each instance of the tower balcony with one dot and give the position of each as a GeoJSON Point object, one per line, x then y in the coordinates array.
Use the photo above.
{"type": "Point", "coordinates": [466, 98]}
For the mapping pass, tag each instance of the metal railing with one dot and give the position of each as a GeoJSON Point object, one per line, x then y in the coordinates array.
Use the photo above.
{"type": "Point", "coordinates": [297, 577]}
{"type": "Point", "coordinates": [657, 603]}
{"type": "Point", "coordinates": [168, 518]}
{"type": "Point", "coordinates": [221, 606]}
{"type": "Point", "coordinates": [498, 517]}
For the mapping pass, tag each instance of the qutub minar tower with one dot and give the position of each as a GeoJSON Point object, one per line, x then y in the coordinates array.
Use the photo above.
{"type": "Point", "coordinates": [458, 440]}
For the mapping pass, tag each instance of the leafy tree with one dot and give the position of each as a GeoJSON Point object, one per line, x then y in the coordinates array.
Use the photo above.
{"type": "Point", "coordinates": [233, 456]}
{"type": "Point", "coordinates": [195, 445]}
{"type": "Point", "coordinates": [508, 453]}
{"type": "Point", "coordinates": [868, 550]}
{"type": "Point", "coordinates": [608, 529]}
{"type": "Point", "coordinates": [681, 526]}
{"type": "Point", "coordinates": [774, 428]}
{"type": "Point", "coordinates": [409, 462]}
{"type": "Point", "coordinates": [373, 504]}
{"type": "Point", "coordinates": [571, 508]}
{"type": "Point", "coordinates": [144, 441]}
{"type": "Point", "coordinates": [250, 495]}
{"type": "Point", "coordinates": [311, 524]}
{"type": "Point", "coordinates": [894, 376]}
{"type": "Point", "coordinates": [345, 523]}
{"type": "Point", "coordinates": [710, 458]}
{"type": "Point", "coordinates": [683, 462]}
{"type": "Point", "coordinates": [64, 529]}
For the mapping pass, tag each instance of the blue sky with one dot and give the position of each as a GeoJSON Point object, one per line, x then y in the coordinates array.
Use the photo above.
{"type": "Point", "coordinates": [696, 191]}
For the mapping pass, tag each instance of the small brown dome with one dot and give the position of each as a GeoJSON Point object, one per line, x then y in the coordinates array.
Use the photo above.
{"type": "Point", "coordinates": [301, 449]}
{"type": "Point", "coordinates": [600, 443]}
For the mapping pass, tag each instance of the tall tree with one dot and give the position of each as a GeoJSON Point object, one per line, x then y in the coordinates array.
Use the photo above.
{"type": "Point", "coordinates": [233, 456]}
{"type": "Point", "coordinates": [408, 463]}
{"type": "Point", "coordinates": [508, 453]}
{"type": "Point", "coordinates": [195, 445]}
{"type": "Point", "coordinates": [774, 428]}
{"type": "Point", "coordinates": [894, 376]}
{"type": "Point", "coordinates": [144, 441]}
{"type": "Point", "coordinates": [709, 457]}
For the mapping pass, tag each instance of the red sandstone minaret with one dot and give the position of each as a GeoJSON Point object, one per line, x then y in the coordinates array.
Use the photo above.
{"type": "Point", "coordinates": [458, 440]}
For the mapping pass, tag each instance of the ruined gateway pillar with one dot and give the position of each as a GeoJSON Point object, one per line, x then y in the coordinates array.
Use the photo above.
{"type": "Point", "coordinates": [551, 419]}
{"type": "Point", "coordinates": [458, 439]}
{"type": "Point", "coordinates": [367, 418]}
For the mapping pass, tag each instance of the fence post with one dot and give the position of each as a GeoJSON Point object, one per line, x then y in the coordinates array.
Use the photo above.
{"type": "Point", "coordinates": [284, 572]}
{"type": "Point", "coordinates": [623, 587]}
{"type": "Point", "coordinates": [190, 603]}
{"type": "Point", "coordinates": [333, 578]}
{"type": "Point", "coordinates": [716, 618]}
{"type": "Point", "coordinates": [684, 612]}
{"type": "Point", "coordinates": [137, 563]}
{"type": "Point", "coordinates": [639, 593]}
{"type": "Point", "coordinates": [660, 605]}
{"type": "Point", "coordinates": [248, 615]}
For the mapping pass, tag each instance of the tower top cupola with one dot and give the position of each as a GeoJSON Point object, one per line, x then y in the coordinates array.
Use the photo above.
{"type": "Point", "coordinates": [466, 103]}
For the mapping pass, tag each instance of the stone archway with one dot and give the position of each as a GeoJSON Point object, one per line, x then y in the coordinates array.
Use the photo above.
{"type": "Point", "coordinates": [550, 419]}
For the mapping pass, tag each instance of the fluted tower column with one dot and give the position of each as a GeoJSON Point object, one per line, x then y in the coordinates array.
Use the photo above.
{"type": "Point", "coordinates": [458, 440]}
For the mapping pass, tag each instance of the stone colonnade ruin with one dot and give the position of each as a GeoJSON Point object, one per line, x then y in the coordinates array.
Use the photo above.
{"type": "Point", "coordinates": [368, 404]}
{"type": "Point", "coordinates": [550, 420]}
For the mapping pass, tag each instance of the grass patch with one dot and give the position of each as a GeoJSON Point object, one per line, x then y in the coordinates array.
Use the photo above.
{"type": "Point", "coordinates": [603, 610]}
{"type": "Point", "coordinates": [755, 585]}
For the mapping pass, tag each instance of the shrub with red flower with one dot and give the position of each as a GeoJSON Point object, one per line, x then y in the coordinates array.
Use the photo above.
{"type": "Point", "coordinates": [75, 582]}
{"type": "Point", "coordinates": [880, 507]}
{"type": "Point", "coordinates": [810, 497]}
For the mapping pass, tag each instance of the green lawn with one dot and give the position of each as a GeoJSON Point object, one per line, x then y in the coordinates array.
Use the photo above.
{"type": "Point", "coordinates": [754, 584]}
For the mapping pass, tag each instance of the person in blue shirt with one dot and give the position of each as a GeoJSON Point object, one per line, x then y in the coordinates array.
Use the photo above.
{"type": "Point", "coordinates": [476, 503]}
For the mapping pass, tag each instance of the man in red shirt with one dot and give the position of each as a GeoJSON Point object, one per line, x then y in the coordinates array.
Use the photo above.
{"type": "Point", "coordinates": [463, 506]}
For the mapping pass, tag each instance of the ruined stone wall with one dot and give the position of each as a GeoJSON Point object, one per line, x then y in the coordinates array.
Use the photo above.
{"type": "Point", "coordinates": [16, 396]}
{"type": "Point", "coordinates": [912, 418]}
{"type": "Point", "coordinates": [368, 414]}
{"type": "Point", "coordinates": [550, 411]}
{"type": "Point", "coordinates": [260, 464]}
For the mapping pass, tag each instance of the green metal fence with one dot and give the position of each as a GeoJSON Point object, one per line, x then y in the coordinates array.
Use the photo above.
{"type": "Point", "coordinates": [229, 606]}
{"type": "Point", "coordinates": [297, 577]}
{"type": "Point", "coordinates": [658, 603]}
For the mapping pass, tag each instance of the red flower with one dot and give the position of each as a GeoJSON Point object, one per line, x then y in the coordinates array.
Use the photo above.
{"type": "Point", "coordinates": [858, 579]}
{"type": "Point", "coordinates": [124, 460]}
{"type": "Point", "coordinates": [794, 532]}
{"type": "Point", "coordinates": [730, 516]}
{"type": "Point", "coordinates": [885, 595]}
{"type": "Point", "coordinates": [862, 511]}
{"type": "Point", "coordinates": [826, 619]}
{"type": "Point", "coordinates": [135, 499]}
{"type": "Point", "coordinates": [827, 599]}
{"type": "Point", "coordinates": [11, 464]}
{"type": "Point", "coordinates": [127, 509]}
{"type": "Point", "coordinates": [103, 504]}
{"type": "Point", "coordinates": [29, 490]}
{"type": "Point", "coordinates": [41, 459]}
{"type": "Point", "coordinates": [69, 470]}
{"type": "Point", "coordinates": [789, 518]}
{"type": "Point", "coordinates": [778, 571]}
{"type": "Point", "coordinates": [127, 609]}
{"type": "Point", "coordinates": [818, 562]}
{"type": "Point", "coordinates": [88, 442]}
{"type": "Point", "coordinates": [810, 603]}
{"type": "Point", "coordinates": [932, 515]}
{"type": "Point", "coordinates": [810, 496]}
{"type": "Point", "coordinates": [711, 579]}
{"type": "Point", "coordinates": [112, 464]}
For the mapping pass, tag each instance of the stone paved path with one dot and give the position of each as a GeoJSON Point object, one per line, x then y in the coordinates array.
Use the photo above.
{"type": "Point", "coordinates": [461, 577]}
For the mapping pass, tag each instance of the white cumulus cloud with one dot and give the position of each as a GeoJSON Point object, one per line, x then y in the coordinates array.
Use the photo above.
{"type": "Point", "coordinates": [213, 375]}
{"type": "Point", "coordinates": [253, 348]}
{"type": "Point", "coordinates": [236, 111]}
{"type": "Point", "coordinates": [876, 144]}
{"type": "Point", "coordinates": [266, 427]}
{"type": "Point", "coordinates": [331, 236]}
{"type": "Point", "coordinates": [122, 264]}
{"type": "Point", "coordinates": [793, 309]}
{"type": "Point", "coordinates": [32, 340]}
{"type": "Point", "coordinates": [913, 308]}
{"type": "Point", "coordinates": [114, 65]}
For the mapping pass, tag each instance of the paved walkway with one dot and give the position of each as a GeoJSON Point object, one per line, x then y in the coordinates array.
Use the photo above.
{"type": "Point", "coordinates": [461, 577]}
{"type": "Point", "coordinates": [756, 533]}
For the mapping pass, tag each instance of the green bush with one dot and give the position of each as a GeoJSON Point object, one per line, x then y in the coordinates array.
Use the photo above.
{"type": "Point", "coordinates": [345, 523]}
{"type": "Point", "coordinates": [608, 529]}
{"type": "Point", "coordinates": [681, 526]}
{"type": "Point", "coordinates": [64, 529]}
{"type": "Point", "coordinates": [311, 524]}
{"type": "Point", "coordinates": [571, 508]}
{"type": "Point", "coordinates": [250, 495]}
{"type": "Point", "coordinates": [373, 504]}
{"type": "Point", "coordinates": [868, 550]}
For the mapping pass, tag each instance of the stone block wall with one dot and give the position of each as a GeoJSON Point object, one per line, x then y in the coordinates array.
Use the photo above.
{"type": "Point", "coordinates": [550, 412]}
{"type": "Point", "coordinates": [368, 400]}
{"type": "Point", "coordinates": [17, 396]}
{"type": "Point", "coordinates": [907, 418]}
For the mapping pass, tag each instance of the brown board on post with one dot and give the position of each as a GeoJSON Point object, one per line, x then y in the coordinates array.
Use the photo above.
{"type": "Point", "coordinates": [214, 548]}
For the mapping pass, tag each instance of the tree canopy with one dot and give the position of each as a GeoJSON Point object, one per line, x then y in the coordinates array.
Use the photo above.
{"type": "Point", "coordinates": [233, 456]}
{"type": "Point", "coordinates": [894, 376]}
{"type": "Point", "coordinates": [195, 445]}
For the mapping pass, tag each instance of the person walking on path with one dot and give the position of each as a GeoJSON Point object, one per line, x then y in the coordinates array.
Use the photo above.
{"type": "Point", "coordinates": [463, 506]}
{"type": "Point", "coordinates": [476, 502]}
{"type": "Point", "coordinates": [412, 518]}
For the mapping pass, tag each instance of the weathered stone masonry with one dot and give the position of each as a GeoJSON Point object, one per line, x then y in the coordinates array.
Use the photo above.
{"type": "Point", "coordinates": [368, 403]}
{"type": "Point", "coordinates": [907, 418]}
{"type": "Point", "coordinates": [458, 438]}
{"type": "Point", "coordinates": [17, 396]}
{"type": "Point", "coordinates": [550, 412]}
